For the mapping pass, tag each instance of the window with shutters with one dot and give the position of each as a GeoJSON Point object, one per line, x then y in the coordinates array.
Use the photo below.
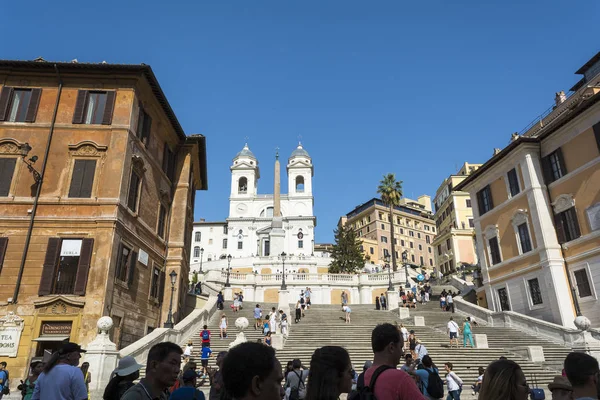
{"type": "Point", "coordinates": [412, 245]}
{"type": "Point", "coordinates": [162, 216]}
{"type": "Point", "coordinates": [384, 239]}
{"type": "Point", "coordinates": [82, 179]}
{"type": "Point", "coordinates": [554, 166]}
{"type": "Point", "coordinates": [503, 299]}
{"type": "Point", "coordinates": [66, 266]}
{"type": "Point", "coordinates": [19, 104]}
{"type": "Point", "coordinates": [7, 170]}
{"type": "Point", "coordinates": [144, 126]}
{"type": "Point", "coordinates": [420, 247]}
{"type": "Point", "coordinates": [484, 200]}
{"type": "Point", "coordinates": [535, 292]}
{"type": "Point", "coordinates": [494, 249]}
{"type": "Point", "coordinates": [134, 191]}
{"type": "Point", "coordinates": [524, 239]}
{"type": "Point", "coordinates": [513, 182]}
{"type": "Point", "coordinates": [412, 257]}
{"type": "Point", "coordinates": [469, 203]}
{"type": "Point", "coordinates": [567, 225]}
{"type": "Point", "coordinates": [168, 165]}
{"type": "Point", "coordinates": [126, 263]}
{"type": "Point", "coordinates": [154, 286]}
{"type": "Point", "coordinates": [584, 289]}
{"type": "Point", "coordinates": [94, 107]}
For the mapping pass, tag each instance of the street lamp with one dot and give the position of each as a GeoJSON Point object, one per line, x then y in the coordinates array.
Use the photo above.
{"type": "Point", "coordinates": [283, 285]}
{"type": "Point", "coordinates": [387, 265]}
{"type": "Point", "coordinates": [227, 284]}
{"type": "Point", "coordinates": [201, 256]}
{"type": "Point", "coordinates": [405, 262]}
{"type": "Point", "coordinates": [169, 323]}
{"type": "Point", "coordinates": [24, 149]}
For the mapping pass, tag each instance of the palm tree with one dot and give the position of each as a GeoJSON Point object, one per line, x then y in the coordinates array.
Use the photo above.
{"type": "Point", "coordinates": [390, 191]}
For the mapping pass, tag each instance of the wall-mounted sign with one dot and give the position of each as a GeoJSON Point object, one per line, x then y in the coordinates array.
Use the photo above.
{"type": "Point", "coordinates": [70, 248]}
{"type": "Point", "coordinates": [11, 327]}
{"type": "Point", "coordinates": [143, 257]}
{"type": "Point", "coordinates": [57, 328]}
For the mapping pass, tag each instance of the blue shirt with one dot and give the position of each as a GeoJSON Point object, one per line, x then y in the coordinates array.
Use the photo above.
{"type": "Point", "coordinates": [187, 393]}
{"type": "Point", "coordinates": [63, 382]}
{"type": "Point", "coordinates": [424, 375]}
{"type": "Point", "coordinates": [4, 377]}
{"type": "Point", "coordinates": [257, 313]}
{"type": "Point", "coordinates": [206, 352]}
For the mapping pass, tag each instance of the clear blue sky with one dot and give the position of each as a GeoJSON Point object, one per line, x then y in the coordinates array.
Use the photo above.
{"type": "Point", "coordinates": [411, 87]}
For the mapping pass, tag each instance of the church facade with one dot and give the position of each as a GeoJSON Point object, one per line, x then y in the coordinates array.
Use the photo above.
{"type": "Point", "coordinates": [262, 225]}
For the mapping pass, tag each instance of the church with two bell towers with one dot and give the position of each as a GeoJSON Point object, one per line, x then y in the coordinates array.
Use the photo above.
{"type": "Point", "coordinates": [262, 225]}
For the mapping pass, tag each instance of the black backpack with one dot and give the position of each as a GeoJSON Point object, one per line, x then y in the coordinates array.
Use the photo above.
{"type": "Point", "coordinates": [435, 385]}
{"type": "Point", "coordinates": [367, 392]}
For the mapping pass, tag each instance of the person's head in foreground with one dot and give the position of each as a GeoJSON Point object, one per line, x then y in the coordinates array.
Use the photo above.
{"type": "Point", "coordinates": [330, 374]}
{"type": "Point", "coordinates": [504, 380]}
{"type": "Point", "coordinates": [583, 373]}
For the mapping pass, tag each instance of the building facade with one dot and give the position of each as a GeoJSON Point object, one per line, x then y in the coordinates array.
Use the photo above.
{"type": "Point", "coordinates": [209, 241]}
{"type": "Point", "coordinates": [413, 224]}
{"type": "Point", "coordinates": [113, 214]}
{"type": "Point", "coordinates": [536, 206]}
{"type": "Point", "coordinates": [454, 243]}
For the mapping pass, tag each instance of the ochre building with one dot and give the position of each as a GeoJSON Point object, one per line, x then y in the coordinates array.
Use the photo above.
{"type": "Point", "coordinates": [536, 206]}
{"type": "Point", "coordinates": [113, 216]}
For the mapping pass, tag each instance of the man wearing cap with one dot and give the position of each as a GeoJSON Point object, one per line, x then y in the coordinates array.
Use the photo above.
{"type": "Point", "coordinates": [560, 388]}
{"type": "Point", "coordinates": [188, 390]}
{"type": "Point", "coordinates": [61, 379]}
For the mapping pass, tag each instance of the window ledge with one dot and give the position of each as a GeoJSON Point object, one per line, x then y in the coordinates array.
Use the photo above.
{"type": "Point", "coordinates": [154, 301]}
{"type": "Point", "coordinates": [587, 299]}
{"type": "Point", "coordinates": [536, 307]}
{"type": "Point", "coordinates": [121, 284]}
{"type": "Point", "coordinates": [134, 214]}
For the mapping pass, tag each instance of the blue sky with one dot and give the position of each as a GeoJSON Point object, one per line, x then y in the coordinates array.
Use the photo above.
{"type": "Point", "coordinates": [414, 88]}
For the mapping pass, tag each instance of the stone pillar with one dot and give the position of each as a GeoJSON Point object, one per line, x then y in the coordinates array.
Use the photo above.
{"type": "Point", "coordinates": [228, 293]}
{"type": "Point", "coordinates": [241, 323]}
{"type": "Point", "coordinates": [284, 303]}
{"type": "Point", "coordinates": [103, 357]}
{"type": "Point", "coordinates": [392, 298]}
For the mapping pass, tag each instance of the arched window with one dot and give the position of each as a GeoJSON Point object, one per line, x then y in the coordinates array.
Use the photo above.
{"type": "Point", "coordinates": [243, 185]}
{"type": "Point", "coordinates": [299, 184]}
{"type": "Point", "coordinates": [267, 213]}
{"type": "Point", "coordinates": [196, 251]}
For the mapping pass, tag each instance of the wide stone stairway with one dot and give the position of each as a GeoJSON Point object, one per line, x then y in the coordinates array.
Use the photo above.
{"type": "Point", "coordinates": [324, 325]}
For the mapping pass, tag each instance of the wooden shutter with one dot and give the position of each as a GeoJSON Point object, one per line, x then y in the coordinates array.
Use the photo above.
{"type": "Point", "coordinates": [109, 107]}
{"type": "Point", "coordinates": [146, 129]}
{"type": "Point", "coordinates": [77, 178]}
{"type": "Point", "coordinates": [118, 264]}
{"type": "Point", "coordinates": [161, 286]}
{"type": "Point", "coordinates": [165, 161]}
{"type": "Point", "coordinates": [480, 202]}
{"type": "Point", "coordinates": [132, 264]}
{"type": "Point", "coordinates": [561, 161]}
{"type": "Point", "coordinates": [547, 170]}
{"type": "Point", "coordinates": [7, 169]}
{"type": "Point", "coordinates": [597, 134]}
{"type": "Point", "coordinates": [85, 258]}
{"type": "Point", "coordinates": [80, 107]}
{"type": "Point", "coordinates": [560, 229]}
{"type": "Point", "coordinates": [50, 264]}
{"type": "Point", "coordinates": [572, 214]}
{"type": "Point", "coordinates": [490, 198]}
{"type": "Point", "coordinates": [33, 105]}
{"type": "Point", "coordinates": [5, 97]}
{"type": "Point", "coordinates": [3, 246]}
{"type": "Point", "coordinates": [87, 180]}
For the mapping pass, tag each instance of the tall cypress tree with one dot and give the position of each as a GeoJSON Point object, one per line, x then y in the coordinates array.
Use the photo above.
{"type": "Point", "coordinates": [346, 253]}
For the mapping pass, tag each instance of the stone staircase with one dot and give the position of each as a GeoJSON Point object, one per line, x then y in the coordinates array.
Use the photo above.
{"type": "Point", "coordinates": [324, 325]}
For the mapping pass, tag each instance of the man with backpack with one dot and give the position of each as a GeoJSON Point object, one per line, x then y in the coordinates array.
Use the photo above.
{"type": "Point", "coordinates": [205, 336]}
{"type": "Point", "coordinates": [432, 385]}
{"type": "Point", "coordinates": [383, 381]}
{"type": "Point", "coordinates": [296, 381]}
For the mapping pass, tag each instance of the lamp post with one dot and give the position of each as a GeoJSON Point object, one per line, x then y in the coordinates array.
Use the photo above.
{"type": "Point", "coordinates": [227, 284]}
{"type": "Point", "coordinates": [201, 256]}
{"type": "Point", "coordinates": [387, 265]}
{"type": "Point", "coordinates": [169, 323]}
{"type": "Point", "coordinates": [25, 148]}
{"type": "Point", "coordinates": [283, 285]}
{"type": "Point", "coordinates": [405, 262]}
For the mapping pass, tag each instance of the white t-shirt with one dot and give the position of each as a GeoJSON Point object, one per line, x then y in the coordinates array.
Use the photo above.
{"type": "Point", "coordinates": [452, 326]}
{"type": "Point", "coordinates": [449, 299]}
{"type": "Point", "coordinates": [453, 381]}
{"type": "Point", "coordinates": [188, 350]}
{"type": "Point", "coordinates": [63, 382]}
{"type": "Point", "coordinates": [404, 333]}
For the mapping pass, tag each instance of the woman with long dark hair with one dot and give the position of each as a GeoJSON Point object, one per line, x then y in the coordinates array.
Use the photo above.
{"type": "Point", "coordinates": [504, 380]}
{"type": "Point", "coordinates": [330, 374]}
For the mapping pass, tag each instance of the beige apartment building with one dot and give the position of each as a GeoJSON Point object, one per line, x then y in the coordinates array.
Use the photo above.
{"type": "Point", "coordinates": [536, 207]}
{"type": "Point", "coordinates": [414, 230]}
{"type": "Point", "coordinates": [454, 244]}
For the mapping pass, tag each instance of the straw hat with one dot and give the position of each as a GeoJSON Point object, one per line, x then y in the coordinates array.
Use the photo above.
{"type": "Point", "coordinates": [560, 382]}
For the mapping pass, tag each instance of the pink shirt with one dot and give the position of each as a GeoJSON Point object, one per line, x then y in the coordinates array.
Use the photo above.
{"type": "Point", "coordinates": [394, 384]}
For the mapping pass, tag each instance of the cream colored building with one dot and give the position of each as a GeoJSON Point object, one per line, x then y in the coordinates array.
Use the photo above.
{"type": "Point", "coordinates": [454, 243]}
{"type": "Point", "coordinates": [414, 230]}
{"type": "Point", "coordinates": [536, 207]}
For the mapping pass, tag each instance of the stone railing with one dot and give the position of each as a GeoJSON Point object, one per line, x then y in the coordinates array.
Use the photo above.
{"type": "Point", "coordinates": [179, 334]}
{"type": "Point", "coordinates": [462, 285]}
{"type": "Point", "coordinates": [536, 327]}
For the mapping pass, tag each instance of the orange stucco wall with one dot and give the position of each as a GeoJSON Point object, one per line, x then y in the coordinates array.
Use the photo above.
{"type": "Point", "coordinates": [336, 296]}
{"type": "Point", "coordinates": [498, 189]}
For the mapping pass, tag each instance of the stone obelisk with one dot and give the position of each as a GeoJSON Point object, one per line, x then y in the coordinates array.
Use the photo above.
{"type": "Point", "coordinates": [277, 235]}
